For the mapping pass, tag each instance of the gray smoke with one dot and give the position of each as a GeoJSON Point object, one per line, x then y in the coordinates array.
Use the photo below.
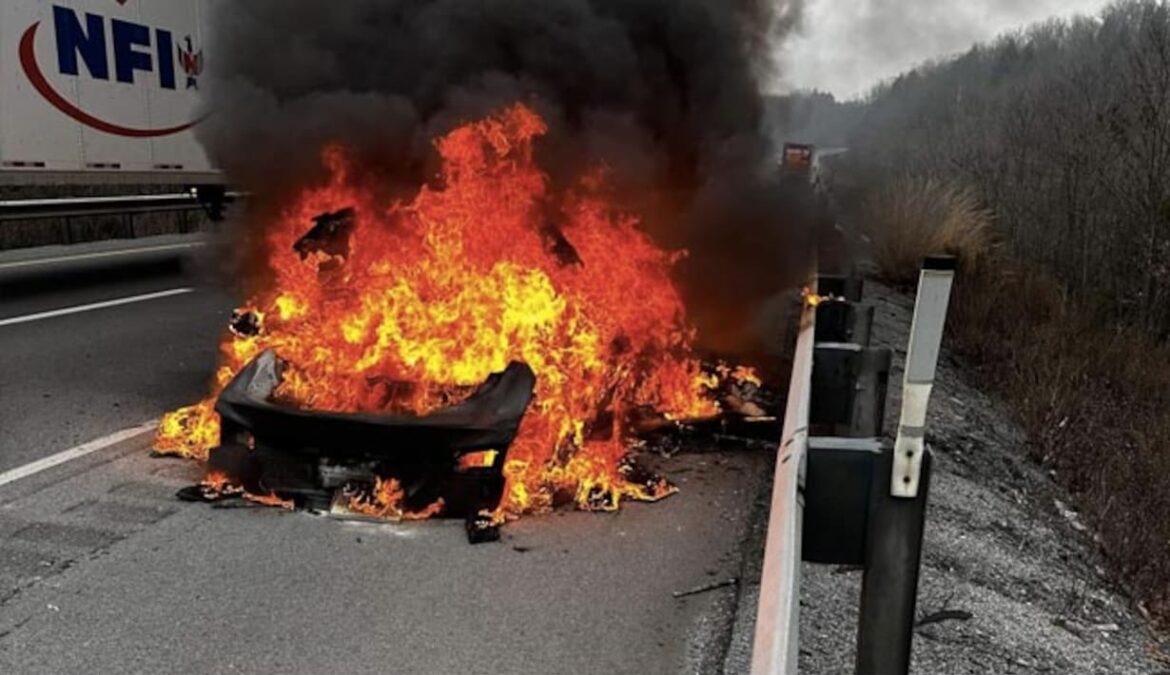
{"type": "Point", "coordinates": [847, 50]}
{"type": "Point", "coordinates": [664, 92]}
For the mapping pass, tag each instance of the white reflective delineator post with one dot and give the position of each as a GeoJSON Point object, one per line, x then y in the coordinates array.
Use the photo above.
{"type": "Point", "coordinates": [930, 313]}
{"type": "Point", "coordinates": [901, 482]}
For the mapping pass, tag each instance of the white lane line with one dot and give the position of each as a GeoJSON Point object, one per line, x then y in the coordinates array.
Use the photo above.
{"type": "Point", "coordinates": [33, 468]}
{"type": "Point", "coordinates": [102, 254]}
{"type": "Point", "coordinates": [91, 307]}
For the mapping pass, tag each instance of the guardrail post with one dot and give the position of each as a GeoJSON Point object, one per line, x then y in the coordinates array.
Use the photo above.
{"type": "Point", "coordinates": [844, 322]}
{"type": "Point", "coordinates": [889, 586]}
{"type": "Point", "coordinates": [853, 498]}
{"type": "Point", "coordinates": [897, 515]}
{"type": "Point", "coordinates": [849, 389]}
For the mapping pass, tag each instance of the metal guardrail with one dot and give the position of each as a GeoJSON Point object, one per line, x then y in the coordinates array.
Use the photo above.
{"type": "Point", "coordinates": [775, 648]}
{"type": "Point", "coordinates": [38, 176]}
{"type": "Point", "coordinates": [212, 199]}
{"type": "Point", "coordinates": [842, 494]}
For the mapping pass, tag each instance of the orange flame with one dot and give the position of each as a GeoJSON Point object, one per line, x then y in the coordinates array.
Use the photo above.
{"type": "Point", "coordinates": [270, 500]}
{"type": "Point", "coordinates": [448, 288]}
{"type": "Point", "coordinates": [216, 480]}
{"type": "Point", "coordinates": [814, 300]}
{"type": "Point", "coordinates": [386, 501]}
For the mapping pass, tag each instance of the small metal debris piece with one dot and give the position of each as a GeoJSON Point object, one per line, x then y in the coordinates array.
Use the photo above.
{"type": "Point", "coordinates": [481, 530]}
{"type": "Point", "coordinates": [202, 492]}
{"type": "Point", "coordinates": [707, 588]}
{"type": "Point", "coordinates": [749, 410]}
{"type": "Point", "coordinates": [245, 324]}
{"type": "Point", "coordinates": [945, 615]}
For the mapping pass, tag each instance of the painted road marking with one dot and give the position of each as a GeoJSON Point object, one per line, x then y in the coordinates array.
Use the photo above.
{"type": "Point", "coordinates": [100, 255]}
{"type": "Point", "coordinates": [95, 306]}
{"type": "Point", "coordinates": [33, 468]}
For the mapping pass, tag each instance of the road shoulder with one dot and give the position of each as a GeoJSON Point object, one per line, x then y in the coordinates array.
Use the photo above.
{"type": "Point", "coordinates": [1002, 546]}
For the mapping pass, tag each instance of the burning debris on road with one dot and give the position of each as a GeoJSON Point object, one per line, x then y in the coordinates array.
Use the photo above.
{"type": "Point", "coordinates": [373, 370]}
{"type": "Point", "coordinates": [444, 463]}
{"type": "Point", "coordinates": [444, 189]}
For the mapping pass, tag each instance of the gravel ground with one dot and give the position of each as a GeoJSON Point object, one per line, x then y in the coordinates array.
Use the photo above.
{"type": "Point", "coordinates": [1002, 544]}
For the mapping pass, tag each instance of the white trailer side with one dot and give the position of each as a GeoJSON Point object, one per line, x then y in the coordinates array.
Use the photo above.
{"type": "Point", "coordinates": [102, 91]}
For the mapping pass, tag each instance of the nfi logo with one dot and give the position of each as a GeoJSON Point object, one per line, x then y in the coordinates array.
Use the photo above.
{"type": "Point", "coordinates": [114, 50]}
{"type": "Point", "coordinates": [131, 42]}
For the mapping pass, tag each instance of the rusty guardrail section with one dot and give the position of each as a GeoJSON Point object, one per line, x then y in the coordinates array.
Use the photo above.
{"type": "Point", "coordinates": [775, 647]}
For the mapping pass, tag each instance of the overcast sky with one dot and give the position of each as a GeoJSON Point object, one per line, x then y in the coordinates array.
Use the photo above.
{"type": "Point", "coordinates": [846, 46]}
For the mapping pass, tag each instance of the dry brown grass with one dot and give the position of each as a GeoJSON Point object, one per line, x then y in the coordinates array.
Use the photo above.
{"type": "Point", "coordinates": [1095, 400]}
{"type": "Point", "coordinates": [1095, 403]}
{"type": "Point", "coordinates": [911, 218]}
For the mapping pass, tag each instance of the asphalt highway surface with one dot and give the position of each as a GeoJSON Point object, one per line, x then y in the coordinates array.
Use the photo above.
{"type": "Point", "coordinates": [69, 379]}
{"type": "Point", "coordinates": [103, 570]}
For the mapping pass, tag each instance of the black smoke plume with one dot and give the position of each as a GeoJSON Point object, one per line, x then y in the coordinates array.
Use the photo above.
{"type": "Point", "coordinates": [664, 92]}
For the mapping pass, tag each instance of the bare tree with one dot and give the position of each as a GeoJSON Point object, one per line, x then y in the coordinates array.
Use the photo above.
{"type": "Point", "coordinates": [1064, 131]}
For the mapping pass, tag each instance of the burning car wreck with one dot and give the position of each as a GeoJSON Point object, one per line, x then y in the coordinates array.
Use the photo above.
{"type": "Point", "coordinates": [324, 461]}
{"type": "Point", "coordinates": [487, 350]}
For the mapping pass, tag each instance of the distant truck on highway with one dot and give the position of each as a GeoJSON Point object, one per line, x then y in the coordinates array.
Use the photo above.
{"type": "Point", "coordinates": [103, 91]}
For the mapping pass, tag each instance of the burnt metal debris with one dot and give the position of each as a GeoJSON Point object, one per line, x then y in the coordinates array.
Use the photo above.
{"type": "Point", "coordinates": [329, 235]}
{"type": "Point", "coordinates": [559, 246]}
{"type": "Point", "coordinates": [311, 457]}
{"type": "Point", "coordinates": [245, 324]}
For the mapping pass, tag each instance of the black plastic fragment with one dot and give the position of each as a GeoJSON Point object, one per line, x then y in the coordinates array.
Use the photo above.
{"type": "Point", "coordinates": [481, 530]}
{"type": "Point", "coordinates": [487, 420]}
{"type": "Point", "coordinates": [207, 494]}
{"type": "Point", "coordinates": [308, 455]}
{"type": "Point", "coordinates": [330, 235]}
{"type": "Point", "coordinates": [245, 324]}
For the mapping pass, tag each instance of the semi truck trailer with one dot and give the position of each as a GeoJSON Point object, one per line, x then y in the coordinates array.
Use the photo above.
{"type": "Point", "coordinates": [103, 91]}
